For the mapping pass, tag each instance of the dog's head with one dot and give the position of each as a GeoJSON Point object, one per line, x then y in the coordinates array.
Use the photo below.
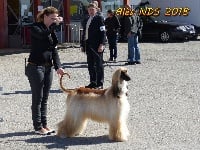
{"type": "Point", "coordinates": [119, 76]}
{"type": "Point", "coordinates": [124, 75]}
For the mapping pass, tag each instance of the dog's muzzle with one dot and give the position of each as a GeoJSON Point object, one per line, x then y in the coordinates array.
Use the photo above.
{"type": "Point", "coordinates": [125, 76]}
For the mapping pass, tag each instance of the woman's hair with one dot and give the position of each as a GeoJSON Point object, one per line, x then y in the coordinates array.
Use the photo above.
{"type": "Point", "coordinates": [46, 11]}
{"type": "Point", "coordinates": [94, 5]}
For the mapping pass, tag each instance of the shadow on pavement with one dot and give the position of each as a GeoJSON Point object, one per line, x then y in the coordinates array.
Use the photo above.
{"type": "Point", "coordinates": [84, 64]}
{"type": "Point", "coordinates": [16, 134]}
{"type": "Point", "coordinates": [10, 51]}
{"type": "Point", "coordinates": [29, 92]}
{"type": "Point", "coordinates": [53, 142]}
{"type": "Point", "coordinates": [75, 65]}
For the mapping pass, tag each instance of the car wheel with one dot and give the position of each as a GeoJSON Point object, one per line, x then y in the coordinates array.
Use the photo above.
{"type": "Point", "coordinates": [165, 36]}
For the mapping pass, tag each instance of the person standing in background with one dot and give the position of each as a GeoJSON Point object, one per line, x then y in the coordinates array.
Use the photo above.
{"type": "Point", "coordinates": [131, 26]}
{"type": "Point", "coordinates": [112, 25]}
{"type": "Point", "coordinates": [39, 70]}
{"type": "Point", "coordinates": [93, 40]}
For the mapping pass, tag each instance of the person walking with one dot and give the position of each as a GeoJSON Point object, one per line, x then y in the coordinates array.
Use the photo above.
{"type": "Point", "coordinates": [132, 26]}
{"type": "Point", "coordinates": [39, 69]}
{"type": "Point", "coordinates": [93, 40]}
{"type": "Point", "coordinates": [112, 25]}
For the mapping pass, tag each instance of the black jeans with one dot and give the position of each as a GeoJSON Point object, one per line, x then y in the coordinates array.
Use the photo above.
{"type": "Point", "coordinates": [40, 79]}
{"type": "Point", "coordinates": [112, 41]}
{"type": "Point", "coordinates": [95, 65]}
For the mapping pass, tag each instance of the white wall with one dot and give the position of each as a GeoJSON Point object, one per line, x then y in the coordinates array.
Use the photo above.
{"type": "Point", "coordinates": [194, 6]}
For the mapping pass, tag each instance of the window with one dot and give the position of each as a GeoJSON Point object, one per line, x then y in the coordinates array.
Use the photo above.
{"type": "Point", "coordinates": [110, 4]}
{"type": "Point", "coordinates": [78, 9]}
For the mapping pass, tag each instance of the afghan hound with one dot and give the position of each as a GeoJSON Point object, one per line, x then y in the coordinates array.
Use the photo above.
{"type": "Point", "coordinates": [109, 105]}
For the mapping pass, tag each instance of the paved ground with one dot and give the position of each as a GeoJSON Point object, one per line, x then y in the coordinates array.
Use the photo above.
{"type": "Point", "coordinates": [164, 95]}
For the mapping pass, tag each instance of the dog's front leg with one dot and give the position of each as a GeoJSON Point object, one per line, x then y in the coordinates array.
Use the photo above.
{"type": "Point", "coordinates": [118, 132]}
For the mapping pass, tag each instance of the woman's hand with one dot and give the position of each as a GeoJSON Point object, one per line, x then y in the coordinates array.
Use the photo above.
{"type": "Point", "coordinates": [58, 20]}
{"type": "Point", "coordinates": [101, 48]}
{"type": "Point", "coordinates": [60, 71]}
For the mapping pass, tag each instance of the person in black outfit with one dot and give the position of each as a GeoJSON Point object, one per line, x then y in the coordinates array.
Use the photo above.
{"type": "Point", "coordinates": [39, 70]}
{"type": "Point", "coordinates": [93, 40]}
{"type": "Point", "coordinates": [112, 28]}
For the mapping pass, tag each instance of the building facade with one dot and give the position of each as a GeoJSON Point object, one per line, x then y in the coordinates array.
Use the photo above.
{"type": "Point", "coordinates": [178, 10]}
{"type": "Point", "coordinates": [19, 14]}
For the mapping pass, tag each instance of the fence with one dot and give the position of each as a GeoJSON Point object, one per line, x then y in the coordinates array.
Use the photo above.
{"type": "Point", "coordinates": [73, 35]}
{"type": "Point", "coordinates": [69, 35]}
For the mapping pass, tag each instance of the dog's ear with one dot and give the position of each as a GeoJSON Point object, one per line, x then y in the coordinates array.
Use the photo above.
{"type": "Point", "coordinates": [124, 75]}
{"type": "Point", "coordinates": [116, 91]}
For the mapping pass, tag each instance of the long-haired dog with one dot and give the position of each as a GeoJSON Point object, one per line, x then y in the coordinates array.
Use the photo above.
{"type": "Point", "coordinates": [109, 105]}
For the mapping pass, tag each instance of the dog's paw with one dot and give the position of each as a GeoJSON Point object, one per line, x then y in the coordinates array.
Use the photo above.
{"type": "Point", "coordinates": [119, 139]}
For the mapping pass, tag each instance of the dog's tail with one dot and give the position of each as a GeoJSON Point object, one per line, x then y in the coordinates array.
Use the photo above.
{"type": "Point", "coordinates": [80, 90]}
{"type": "Point", "coordinates": [61, 84]}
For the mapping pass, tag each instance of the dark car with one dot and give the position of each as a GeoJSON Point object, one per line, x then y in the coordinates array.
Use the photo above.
{"type": "Point", "coordinates": [166, 31]}
{"type": "Point", "coordinates": [197, 32]}
{"type": "Point", "coordinates": [162, 30]}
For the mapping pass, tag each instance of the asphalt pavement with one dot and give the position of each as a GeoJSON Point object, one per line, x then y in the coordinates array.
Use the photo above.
{"type": "Point", "coordinates": [164, 95]}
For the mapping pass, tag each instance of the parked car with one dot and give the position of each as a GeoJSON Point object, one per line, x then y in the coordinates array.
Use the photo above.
{"type": "Point", "coordinates": [197, 32]}
{"type": "Point", "coordinates": [162, 30]}
{"type": "Point", "coordinates": [166, 31]}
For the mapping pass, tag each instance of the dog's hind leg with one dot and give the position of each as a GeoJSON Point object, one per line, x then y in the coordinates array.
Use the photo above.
{"type": "Point", "coordinates": [60, 131]}
{"type": "Point", "coordinates": [71, 127]}
{"type": "Point", "coordinates": [66, 128]}
{"type": "Point", "coordinates": [75, 127]}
